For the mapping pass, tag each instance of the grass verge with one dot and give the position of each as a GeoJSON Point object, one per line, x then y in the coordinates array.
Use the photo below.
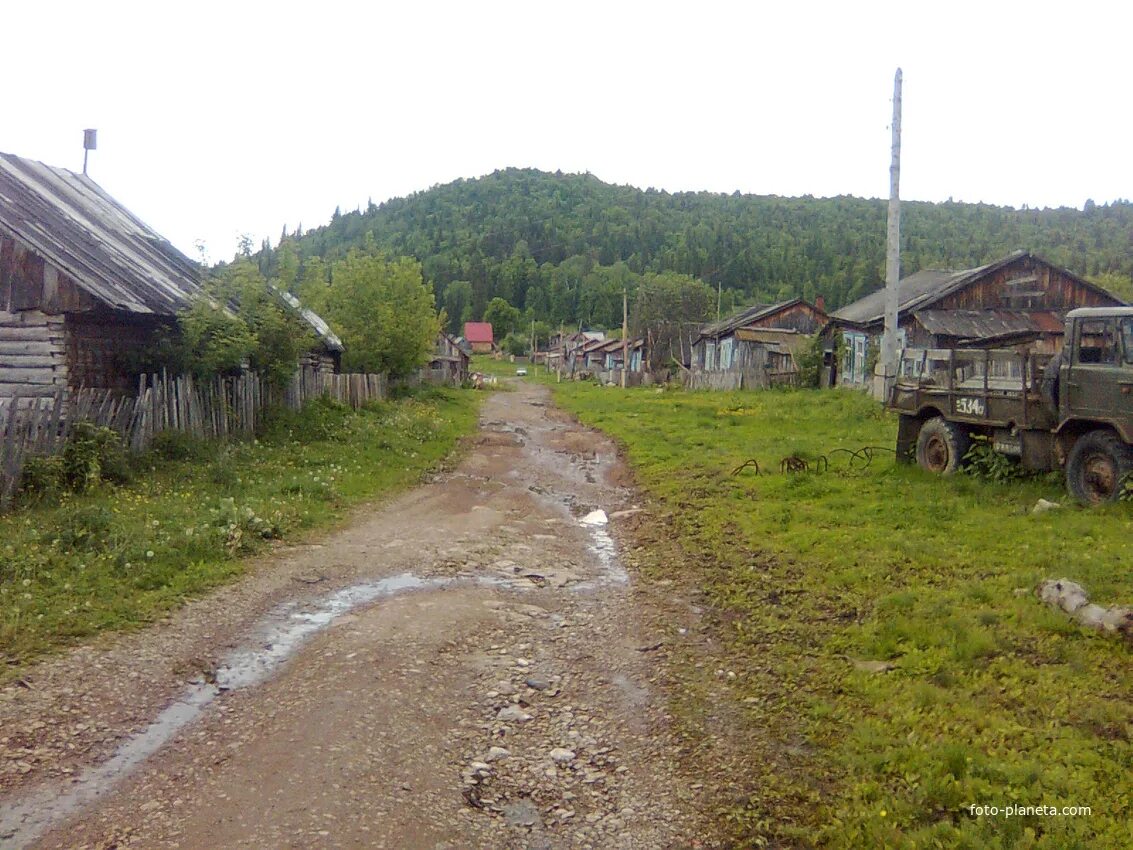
{"type": "Point", "coordinates": [885, 655]}
{"type": "Point", "coordinates": [117, 557]}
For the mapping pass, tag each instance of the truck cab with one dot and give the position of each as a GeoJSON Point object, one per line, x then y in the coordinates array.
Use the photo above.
{"type": "Point", "coordinates": [1096, 372]}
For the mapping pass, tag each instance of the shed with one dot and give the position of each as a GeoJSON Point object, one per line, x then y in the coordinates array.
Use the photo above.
{"type": "Point", "coordinates": [1019, 298]}
{"type": "Point", "coordinates": [84, 284]}
{"type": "Point", "coordinates": [449, 363]}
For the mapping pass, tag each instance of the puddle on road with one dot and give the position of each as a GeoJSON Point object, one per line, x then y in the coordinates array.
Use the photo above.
{"type": "Point", "coordinates": [604, 548]}
{"type": "Point", "coordinates": [274, 641]}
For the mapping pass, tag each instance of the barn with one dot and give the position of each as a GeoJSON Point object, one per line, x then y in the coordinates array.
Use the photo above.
{"type": "Point", "coordinates": [85, 285]}
{"type": "Point", "coordinates": [1020, 298]}
{"type": "Point", "coordinates": [754, 348]}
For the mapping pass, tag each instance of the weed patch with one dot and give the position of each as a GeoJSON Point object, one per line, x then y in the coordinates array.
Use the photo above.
{"type": "Point", "coordinates": [117, 555]}
{"type": "Point", "coordinates": [892, 667]}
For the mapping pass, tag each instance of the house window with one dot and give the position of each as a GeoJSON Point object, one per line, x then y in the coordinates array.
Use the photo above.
{"type": "Point", "coordinates": [857, 346]}
{"type": "Point", "coordinates": [709, 355]}
{"type": "Point", "coordinates": [726, 353]}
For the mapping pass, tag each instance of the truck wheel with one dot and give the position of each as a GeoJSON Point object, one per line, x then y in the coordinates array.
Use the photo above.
{"type": "Point", "coordinates": [941, 445]}
{"type": "Point", "coordinates": [1097, 467]}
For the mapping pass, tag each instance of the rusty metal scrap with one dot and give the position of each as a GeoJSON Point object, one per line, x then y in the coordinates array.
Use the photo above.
{"type": "Point", "coordinates": [858, 460]}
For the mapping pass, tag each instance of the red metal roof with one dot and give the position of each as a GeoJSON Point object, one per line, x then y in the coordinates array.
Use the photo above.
{"type": "Point", "coordinates": [478, 331]}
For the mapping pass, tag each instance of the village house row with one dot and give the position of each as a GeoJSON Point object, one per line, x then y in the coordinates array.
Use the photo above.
{"type": "Point", "coordinates": [85, 286]}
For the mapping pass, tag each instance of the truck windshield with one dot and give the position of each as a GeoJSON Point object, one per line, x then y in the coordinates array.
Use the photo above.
{"type": "Point", "coordinates": [1127, 339]}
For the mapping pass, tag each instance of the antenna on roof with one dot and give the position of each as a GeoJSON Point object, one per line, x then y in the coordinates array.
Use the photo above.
{"type": "Point", "coordinates": [90, 143]}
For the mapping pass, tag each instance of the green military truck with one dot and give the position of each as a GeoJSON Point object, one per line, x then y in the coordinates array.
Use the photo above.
{"type": "Point", "coordinates": [1073, 411]}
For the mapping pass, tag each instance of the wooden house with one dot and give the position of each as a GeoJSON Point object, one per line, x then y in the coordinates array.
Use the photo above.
{"type": "Point", "coordinates": [449, 363]}
{"type": "Point", "coordinates": [1019, 299]}
{"type": "Point", "coordinates": [479, 337]}
{"type": "Point", "coordinates": [85, 285]}
{"type": "Point", "coordinates": [755, 347]}
{"type": "Point", "coordinates": [614, 355]}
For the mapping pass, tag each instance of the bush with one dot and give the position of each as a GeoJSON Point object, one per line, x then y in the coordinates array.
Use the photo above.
{"type": "Point", "coordinates": [42, 478]}
{"type": "Point", "coordinates": [516, 344]}
{"type": "Point", "coordinates": [92, 455]}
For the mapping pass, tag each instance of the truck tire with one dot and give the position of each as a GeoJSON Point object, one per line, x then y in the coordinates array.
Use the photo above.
{"type": "Point", "coordinates": [941, 445]}
{"type": "Point", "coordinates": [1098, 466]}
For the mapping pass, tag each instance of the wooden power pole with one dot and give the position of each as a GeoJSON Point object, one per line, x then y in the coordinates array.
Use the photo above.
{"type": "Point", "coordinates": [625, 335]}
{"type": "Point", "coordinates": [887, 362]}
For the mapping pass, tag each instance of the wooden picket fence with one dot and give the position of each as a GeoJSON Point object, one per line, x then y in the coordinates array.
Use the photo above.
{"type": "Point", "coordinates": [218, 409]}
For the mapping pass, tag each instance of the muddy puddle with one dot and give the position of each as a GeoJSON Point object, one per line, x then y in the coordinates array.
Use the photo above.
{"type": "Point", "coordinates": [276, 639]}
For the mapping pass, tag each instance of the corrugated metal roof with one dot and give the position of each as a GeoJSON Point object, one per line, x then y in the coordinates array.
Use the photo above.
{"type": "Point", "coordinates": [71, 222]}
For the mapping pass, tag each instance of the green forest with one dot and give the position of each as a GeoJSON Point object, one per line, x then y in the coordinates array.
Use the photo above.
{"type": "Point", "coordinates": [561, 247]}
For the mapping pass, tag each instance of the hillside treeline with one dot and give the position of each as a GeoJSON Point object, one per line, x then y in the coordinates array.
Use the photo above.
{"type": "Point", "coordinates": [561, 247]}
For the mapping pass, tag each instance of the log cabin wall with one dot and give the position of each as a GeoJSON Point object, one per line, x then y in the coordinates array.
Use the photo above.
{"type": "Point", "coordinates": [320, 360]}
{"type": "Point", "coordinates": [104, 347]}
{"type": "Point", "coordinates": [33, 357]}
{"type": "Point", "coordinates": [52, 333]}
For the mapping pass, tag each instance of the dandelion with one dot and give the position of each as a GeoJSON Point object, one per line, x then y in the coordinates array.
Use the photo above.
{"type": "Point", "coordinates": [149, 553]}
{"type": "Point", "coordinates": [27, 582]}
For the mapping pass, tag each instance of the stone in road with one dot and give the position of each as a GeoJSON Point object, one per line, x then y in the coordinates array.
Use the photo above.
{"type": "Point", "coordinates": [504, 704]}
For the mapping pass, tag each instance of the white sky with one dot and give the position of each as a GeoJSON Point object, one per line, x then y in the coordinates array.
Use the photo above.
{"type": "Point", "coordinates": [222, 118]}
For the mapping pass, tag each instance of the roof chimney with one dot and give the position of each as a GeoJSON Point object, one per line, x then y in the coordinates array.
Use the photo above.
{"type": "Point", "coordinates": [820, 302]}
{"type": "Point", "coordinates": [90, 143]}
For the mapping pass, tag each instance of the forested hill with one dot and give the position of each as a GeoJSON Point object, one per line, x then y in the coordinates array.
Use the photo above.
{"type": "Point", "coordinates": [562, 246]}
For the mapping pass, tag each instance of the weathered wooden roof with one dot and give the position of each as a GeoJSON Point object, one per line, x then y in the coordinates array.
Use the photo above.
{"type": "Point", "coordinates": [108, 252]}
{"type": "Point", "coordinates": [928, 286]}
{"type": "Point", "coordinates": [745, 316]}
{"type": "Point", "coordinates": [70, 221]}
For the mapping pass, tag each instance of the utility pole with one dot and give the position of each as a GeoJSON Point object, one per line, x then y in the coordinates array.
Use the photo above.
{"type": "Point", "coordinates": [532, 347]}
{"type": "Point", "coordinates": [719, 293]}
{"type": "Point", "coordinates": [625, 335]}
{"type": "Point", "coordinates": [562, 355]}
{"type": "Point", "coordinates": [887, 362]}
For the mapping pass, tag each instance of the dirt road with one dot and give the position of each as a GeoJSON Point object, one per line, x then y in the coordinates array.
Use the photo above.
{"type": "Point", "coordinates": [468, 666]}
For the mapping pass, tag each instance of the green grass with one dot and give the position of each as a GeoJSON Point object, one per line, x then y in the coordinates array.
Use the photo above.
{"type": "Point", "coordinates": [119, 557]}
{"type": "Point", "coordinates": [991, 698]}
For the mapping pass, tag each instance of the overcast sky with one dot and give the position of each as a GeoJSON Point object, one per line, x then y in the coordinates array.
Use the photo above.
{"type": "Point", "coordinates": [217, 119]}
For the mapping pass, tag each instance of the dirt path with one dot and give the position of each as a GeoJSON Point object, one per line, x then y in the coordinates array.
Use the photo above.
{"type": "Point", "coordinates": [467, 667]}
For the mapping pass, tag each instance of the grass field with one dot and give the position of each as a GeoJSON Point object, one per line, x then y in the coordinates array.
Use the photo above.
{"type": "Point", "coordinates": [893, 666]}
{"type": "Point", "coordinates": [119, 556]}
